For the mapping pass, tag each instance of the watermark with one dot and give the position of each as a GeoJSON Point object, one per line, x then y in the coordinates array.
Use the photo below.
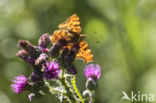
{"type": "Point", "coordinates": [137, 96]}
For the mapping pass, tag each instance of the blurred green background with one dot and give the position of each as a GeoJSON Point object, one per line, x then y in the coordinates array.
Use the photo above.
{"type": "Point", "coordinates": [121, 34]}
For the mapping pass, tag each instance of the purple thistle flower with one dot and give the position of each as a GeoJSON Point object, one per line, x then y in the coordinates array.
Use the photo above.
{"type": "Point", "coordinates": [92, 72]}
{"type": "Point", "coordinates": [45, 50]}
{"type": "Point", "coordinates": [51, 70]}
{"type": "Point", "coordinates": [19, 84]}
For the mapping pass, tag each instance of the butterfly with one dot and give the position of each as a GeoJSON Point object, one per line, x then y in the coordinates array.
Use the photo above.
{"type": "Point", "coordinates": [70, 32]}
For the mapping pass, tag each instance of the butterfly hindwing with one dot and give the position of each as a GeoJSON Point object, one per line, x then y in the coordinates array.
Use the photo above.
{"type": "Point", "coordinates": [84, 52]}
{"type": "Point", "coordinates": [72, 24]}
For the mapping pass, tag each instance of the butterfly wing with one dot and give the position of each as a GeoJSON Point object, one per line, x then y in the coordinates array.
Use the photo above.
{"type": "Point", "coordinates": [85, 52]}
{"type": "Point", "coordinates": [68, 46]}
{"type": "Point", "coordinates": [61, 34]}
{"type": "Point", "coordinates": [72, 24]}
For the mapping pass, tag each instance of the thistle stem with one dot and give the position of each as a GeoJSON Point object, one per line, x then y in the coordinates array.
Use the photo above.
{"type": "Point", "coordinates": [69, 94]}
{"type": "Point", "coordinates": [51, 89]}
{"type": "Point", "coordinates": [76, 89]}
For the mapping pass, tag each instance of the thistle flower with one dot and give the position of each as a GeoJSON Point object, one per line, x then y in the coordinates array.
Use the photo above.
{"type": "Point", "coordinates": [44, 41]}
{"type": "Point", "coordinates": [92, 71]}
{"type": "Point", "coordinates": [19, 84]}
{"type": "Point", "coordinates": [51, 70]}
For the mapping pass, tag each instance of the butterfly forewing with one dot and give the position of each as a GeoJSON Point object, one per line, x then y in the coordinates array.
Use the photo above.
{"type": "Point", "coordinates": [72, 24]}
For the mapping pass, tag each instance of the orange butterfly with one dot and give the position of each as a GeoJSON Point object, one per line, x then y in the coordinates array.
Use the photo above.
{"type": "Point", "coordinates": [70, 32]}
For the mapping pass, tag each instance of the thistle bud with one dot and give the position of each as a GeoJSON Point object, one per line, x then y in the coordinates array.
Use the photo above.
{"type": "Point", "coordinates": [27, 46]}
{"type": "Point", "coordinates": [92, 84]}
{"type": "Point", "coordinates": [44, 41]}
{"type": "Point", "coordinates": [41, 59]}
{"type": "Point", "coordinates": [24, 55]}
{"type": "Point", "coordinates": [34, 77]}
